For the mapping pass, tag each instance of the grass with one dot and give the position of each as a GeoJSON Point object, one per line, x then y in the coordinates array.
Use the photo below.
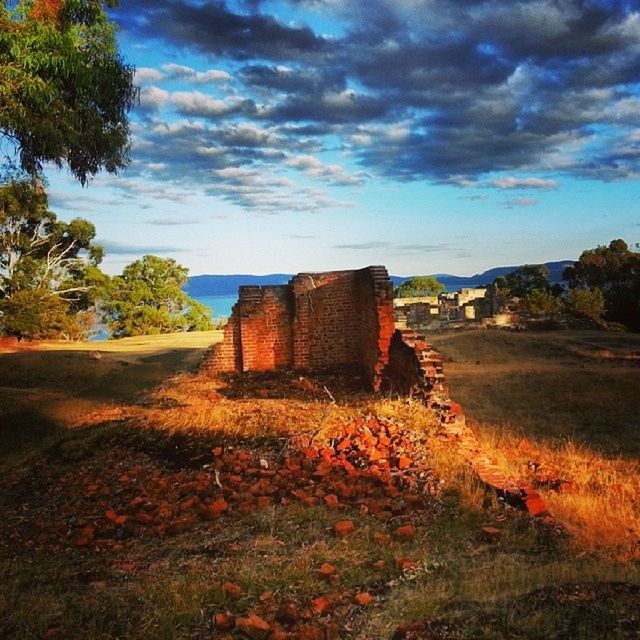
{"type": "Point", "coordinates": [568, 405]}
{"type": "Point", "coordinates": [153, 446]}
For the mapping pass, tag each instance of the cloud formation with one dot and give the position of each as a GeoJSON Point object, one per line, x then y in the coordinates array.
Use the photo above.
{"type": "Point", "coordinates": [509, 182]}
{"type": "Point", "coordinates": [437, 90]}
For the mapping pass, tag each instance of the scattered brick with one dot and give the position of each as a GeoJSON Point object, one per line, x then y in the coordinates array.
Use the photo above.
{"type": "Point", "coordinates": [326, 569]}
{"type": "Point", "coordinates": [253, 626]}
{"type": "Point", "coordinates": [363, 599]}
{"type": "Point", "coordinates": [223, 621]}
{"type": "Point", "coordinates": [232, 590]}
{"type": "Point", "coordinates": [492, 534]}
{"type": "Point", "coordinates": [343, 528]}
{"type": "Point", "coordinates": [405, 532]}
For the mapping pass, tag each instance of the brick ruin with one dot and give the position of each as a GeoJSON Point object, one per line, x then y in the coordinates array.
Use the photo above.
{"type": "Point", "coordinates": [321, 321]}
{"type": "Point", "coordinates": [317, 321]}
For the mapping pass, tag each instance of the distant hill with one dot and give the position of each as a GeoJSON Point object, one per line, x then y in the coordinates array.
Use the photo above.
{"type": "Point", "coordinates": [227, 285]}
{"type": "Point", "coordinates": [217, 285]}
{"type": "Point", "coordinates": [486, 277]}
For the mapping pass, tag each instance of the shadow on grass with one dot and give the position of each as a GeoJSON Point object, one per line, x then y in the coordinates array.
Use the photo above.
{"type": "Point", "coordinates": [45, 390]}
{"type": "Point", "coordinates": [338, 383]}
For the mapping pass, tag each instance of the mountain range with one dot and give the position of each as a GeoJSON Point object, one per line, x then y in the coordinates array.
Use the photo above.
{"type": "Point", "coordinates": [227, 285]}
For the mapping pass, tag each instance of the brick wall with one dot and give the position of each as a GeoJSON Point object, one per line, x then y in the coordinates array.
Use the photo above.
{"type": "Point", "coordinates": [317, 321]}
{"type": "Point", "coordinates": [415, 368]}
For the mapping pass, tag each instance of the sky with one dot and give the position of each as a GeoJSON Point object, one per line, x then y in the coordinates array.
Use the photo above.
{"type": "Point", "coordinates": [431, 136]}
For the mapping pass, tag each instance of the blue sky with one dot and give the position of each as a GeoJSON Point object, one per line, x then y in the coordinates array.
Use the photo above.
{"type": "Point", "coordinates": [430, 136]}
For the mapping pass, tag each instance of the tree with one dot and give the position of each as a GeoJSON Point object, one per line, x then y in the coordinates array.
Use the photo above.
{"type": "Point", "coordinates": [614, 269]}
{"type": "Point", "coordinates": [38, 314]}
{"type": "Point", "coordinates": [524, 280]}
{"type": "Point", "coordinates": [542, 302]}
{"type": "Point", "coordinates": [64, 90]}
{"type": "Point", "coordinates": [48, 266]}
{"type": "Point", "coordinates": [420, 286]}
{"type": "Point", "coordinates": [148, 298]}
{"type": "Point", "coordinates": [586, 303]}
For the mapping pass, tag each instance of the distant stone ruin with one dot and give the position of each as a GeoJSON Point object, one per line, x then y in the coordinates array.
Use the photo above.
{"type": "Point", "coordinates": [317, 321]}
{"type": "Point", "coordinates": [479, 307]}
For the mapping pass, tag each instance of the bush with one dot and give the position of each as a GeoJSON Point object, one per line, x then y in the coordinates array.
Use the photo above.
{"type": "Point", "coordinates": [420, 286]}
{"type": "Point", "coordinates": [586, 303]}
{"type": "Point", "coordinates": [36, 315]}
{"type": "Point", "coordinates": [543, 302]}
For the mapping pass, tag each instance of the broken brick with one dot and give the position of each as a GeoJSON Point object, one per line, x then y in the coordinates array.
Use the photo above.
{"type": "Point", "coordinates": [331, 500]}
{"type": "Point", "coordinates": [363, 599]}
{"type": "Point", "coordinates": [343, 528]}
{"type": "Point", "coordinates": [223, 621]}
{"type": "Point", "coordinates": [326, 569]}
{"type": "Point", "coordinates": [232, 590]}
{"type": "Point", "coordinates": [253, 626]}
{"type": "Point", "coordinates": [217, 507]}
{"type": "Point", "coordinates": [405, 532]}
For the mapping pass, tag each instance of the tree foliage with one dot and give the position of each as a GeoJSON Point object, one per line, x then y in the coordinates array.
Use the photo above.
{"type": "Point", "coordinates": [542, 302]}
{"type": "Point", "coordinates": [614, 269]}
{"type": "Point", "coordinates": [586, 303]}
{"type": "Point", "coordinates": [148, 298]}
{"type": "Point", "coordinates": [419, 287]}
{"type": "Point", "coordinates": [38, 314]}
{"type": "Point", "coordinates": [65, 92]}
{"type": "Point", "coordinates": [48, 266]}
{"type": "Point", "coordinates": [524, 280]}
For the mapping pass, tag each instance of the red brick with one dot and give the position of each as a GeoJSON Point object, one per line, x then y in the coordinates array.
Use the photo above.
{"type": "Point", "coordinates": [343, 528]}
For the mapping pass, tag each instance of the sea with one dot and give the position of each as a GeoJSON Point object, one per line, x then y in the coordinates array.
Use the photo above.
{"type": "Point", "coordinates": [220, 305]}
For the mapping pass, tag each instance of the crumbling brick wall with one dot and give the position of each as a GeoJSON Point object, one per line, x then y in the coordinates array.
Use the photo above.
{"type": "Point", "coordinates": [316, 321]}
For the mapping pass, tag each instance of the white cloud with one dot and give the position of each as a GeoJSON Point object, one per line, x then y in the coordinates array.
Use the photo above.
{"type": "Point", "coordinates": [511, 182]}
{"type": "Point", "coordinates": [313, 167]}
{"type": "Point", "coordinates": [148, 74]}
{"type": "Point", "coordinates": [199, 104]}
{"type": "Point", "coordinates": [153, 98]}
{"type": "Point", "coordinates": [197, 77]}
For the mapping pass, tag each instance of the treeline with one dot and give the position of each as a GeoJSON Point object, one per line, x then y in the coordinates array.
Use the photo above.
{"type": "Point", "coordinates": [51, 284]}
{"type": "Point", "coordinates": [602, 286]}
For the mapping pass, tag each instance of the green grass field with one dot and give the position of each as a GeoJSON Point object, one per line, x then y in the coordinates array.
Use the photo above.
{"type": "Point", "coordinates": [108, 463]}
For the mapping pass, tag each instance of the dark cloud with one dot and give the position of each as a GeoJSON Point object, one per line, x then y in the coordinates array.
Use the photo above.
{"type": "Point", "coordinates": [211, 27]}
{"type": "Point", "coordinates": [443, 90]}
{"type": "Point", "coordinates": [332, 107]}
{"type": "Point", "coordinates": [292, 80]}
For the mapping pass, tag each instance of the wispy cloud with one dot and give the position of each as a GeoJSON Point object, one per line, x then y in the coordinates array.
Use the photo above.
{"type": "Point", "coordinates": [543, 184]}
{"type": "Point", "coordinates": [173, 222]}
{"type": "Point", "coordinates": [124, 249]}
{"type": "Point", "coordinates": [362, 246]}
{"type": "Point", "coordinates": [521, 202]}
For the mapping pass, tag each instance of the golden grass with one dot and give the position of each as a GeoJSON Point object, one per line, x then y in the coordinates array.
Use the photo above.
{"type": "Point", "coordinates": [138, 344]}
{"type": "Point", "coordinates": [176, 585]}
{"type": "Point", "coordinates": [558, 411]}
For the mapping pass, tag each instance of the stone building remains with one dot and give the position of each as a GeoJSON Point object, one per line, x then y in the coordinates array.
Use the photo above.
{"type": "Point", "coordinates": [464, 308]}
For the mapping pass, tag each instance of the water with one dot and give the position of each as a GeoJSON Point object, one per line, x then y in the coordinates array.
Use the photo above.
{"type": "Point", "coordinates": [220, 305]}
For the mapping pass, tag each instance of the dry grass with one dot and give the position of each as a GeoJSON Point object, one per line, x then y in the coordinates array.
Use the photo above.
{"type": "Point", "coordinates": [170, 587]}
{"type": "Point", "coordinates": [551, 408]}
